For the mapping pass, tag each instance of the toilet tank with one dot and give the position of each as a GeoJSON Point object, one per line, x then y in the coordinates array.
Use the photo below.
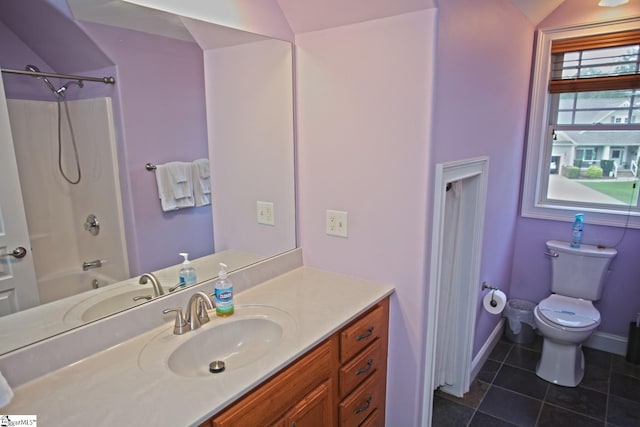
{"type": "Point", "coordinates": [579, 272]}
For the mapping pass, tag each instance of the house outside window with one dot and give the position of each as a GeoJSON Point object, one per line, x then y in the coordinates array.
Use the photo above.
{"type": "Point", "coordinates": [583, 144]}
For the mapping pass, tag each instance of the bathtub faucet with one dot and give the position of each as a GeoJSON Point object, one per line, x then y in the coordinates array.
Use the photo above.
{"type": "Point", "coordinates": [88, 265]}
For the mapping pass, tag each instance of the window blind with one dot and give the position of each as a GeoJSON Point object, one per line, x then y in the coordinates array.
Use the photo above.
{"type": "Point", "coordinates": [596, 63]}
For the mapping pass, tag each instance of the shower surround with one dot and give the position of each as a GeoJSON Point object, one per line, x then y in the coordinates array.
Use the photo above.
{"type": "Point", "coordinates": [56, 210]}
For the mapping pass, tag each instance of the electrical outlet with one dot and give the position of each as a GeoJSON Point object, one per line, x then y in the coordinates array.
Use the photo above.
{"type": "Point", "coordinates": [265, 213]}
{"type": "Point", "coordinates": [336, 223]}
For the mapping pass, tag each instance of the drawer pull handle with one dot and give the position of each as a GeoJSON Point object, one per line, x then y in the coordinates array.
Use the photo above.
{"type": "Point", "coordinates": [365, 335]}
{"type": "Point", "coordinates": [364, 407]}
{"type": "Point", "coordinates": [365, 369]}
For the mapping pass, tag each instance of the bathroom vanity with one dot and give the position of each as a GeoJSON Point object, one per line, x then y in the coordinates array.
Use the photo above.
{"type": "Point", "coordinates": [342, 379]}
{"type": "Point", "coordinates": [329, 364]}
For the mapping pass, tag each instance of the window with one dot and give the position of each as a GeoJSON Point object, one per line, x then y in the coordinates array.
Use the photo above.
{"type": "Point", "coordinates": [583, 144]}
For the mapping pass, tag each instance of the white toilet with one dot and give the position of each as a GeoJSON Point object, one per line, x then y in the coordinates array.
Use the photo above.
{"type": "Point", "coordinates": [567, 318]}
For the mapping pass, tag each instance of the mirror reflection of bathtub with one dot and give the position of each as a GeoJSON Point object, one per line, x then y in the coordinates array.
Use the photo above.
{"type": "Point", "coordinates": [64, 284]}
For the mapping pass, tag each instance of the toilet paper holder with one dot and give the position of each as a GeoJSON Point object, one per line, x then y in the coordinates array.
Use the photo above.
{"type": "Point", "coordinates": [485, 286]}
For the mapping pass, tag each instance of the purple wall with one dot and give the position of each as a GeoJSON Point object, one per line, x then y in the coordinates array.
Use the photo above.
{"type": "Point", "coordinates": [531, 277]}
{"type": "Point", "coordinates": [15, 54]}
{"type": "Point", "coordinates": [482, 84]}
{"type": "Point", "coordinates": [161, 88]}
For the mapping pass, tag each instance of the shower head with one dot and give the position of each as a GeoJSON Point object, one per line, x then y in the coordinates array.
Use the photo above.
{"type": "Point", "coordinates": [63, 88]}
{"type": "Point", "coordinates": [35, 69]}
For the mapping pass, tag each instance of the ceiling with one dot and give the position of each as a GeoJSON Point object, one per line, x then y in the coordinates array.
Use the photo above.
{"type": "Point", "coordinates": [536, 10]}
{"type": "Point", "coordinates": [302, 15]}
{"type": "Point", "coordinates": [312, 15]}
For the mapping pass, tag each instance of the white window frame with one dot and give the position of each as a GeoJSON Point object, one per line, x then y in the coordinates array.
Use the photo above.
{"type": "Point", "coordinates": [536, 177]}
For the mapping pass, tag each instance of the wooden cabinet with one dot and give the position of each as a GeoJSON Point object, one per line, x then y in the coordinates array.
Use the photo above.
{"type": "Point", "coordinates": [363, 373]}
{"type": "Point", "coordinates": [314, 410]}
{"type": "Point", "coordinates": [341, 382]}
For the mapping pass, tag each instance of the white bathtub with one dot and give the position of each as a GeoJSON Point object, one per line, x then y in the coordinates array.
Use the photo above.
{"type": "Point", "coordinates": [63, 284]}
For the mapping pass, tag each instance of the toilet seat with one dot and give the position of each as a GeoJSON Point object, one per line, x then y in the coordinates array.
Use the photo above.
{"type": "Point", "coordinates": [569, 312]}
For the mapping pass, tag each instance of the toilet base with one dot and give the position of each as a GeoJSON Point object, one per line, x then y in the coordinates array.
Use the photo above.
{"type": "Point", "coordinates": [561, 364]}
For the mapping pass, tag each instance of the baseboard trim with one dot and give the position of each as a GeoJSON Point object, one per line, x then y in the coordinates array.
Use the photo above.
{"type": "Point", "coordinates": [607, 342]}
{"type": "Point", "coordinates": [478, 362]}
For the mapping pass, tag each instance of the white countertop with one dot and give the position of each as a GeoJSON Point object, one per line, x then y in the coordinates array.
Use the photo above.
{"type": "Point", "coordinates": [110, 388]}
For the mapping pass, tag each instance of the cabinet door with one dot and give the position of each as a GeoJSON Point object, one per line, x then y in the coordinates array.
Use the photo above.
{"type": "Point", "coordinates": [314, 410]}
{"type": "Point", "coordinates": [279, 394]}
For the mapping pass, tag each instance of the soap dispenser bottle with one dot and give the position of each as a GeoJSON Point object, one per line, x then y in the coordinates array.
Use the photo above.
{"type": "Point", "coordinates": [187, 273]}
{"type": "Point", "coordinates": [576, 236]}
{"type": "Point", "coordinates": [223, 293]}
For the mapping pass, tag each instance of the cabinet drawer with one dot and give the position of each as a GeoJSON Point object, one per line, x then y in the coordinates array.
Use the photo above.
{"type": "Point", "coordinates": [374, 420]}
{"type": "Point", "coordinates": [362, 402]}
{"type": "Point", "coordinates": [360, 334]}
{"type": "Point", "coordinates": [361, 367]}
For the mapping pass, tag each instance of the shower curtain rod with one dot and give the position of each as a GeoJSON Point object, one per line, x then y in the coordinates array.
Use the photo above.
{"type": "Point", "coordinates": [105, 80]}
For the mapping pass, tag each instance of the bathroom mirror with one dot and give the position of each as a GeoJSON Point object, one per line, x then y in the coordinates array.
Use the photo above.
{"type": "Point", "coordinates": [185, 90]}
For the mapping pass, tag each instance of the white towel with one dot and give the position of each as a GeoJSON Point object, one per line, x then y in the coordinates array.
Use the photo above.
{"type": "Point", "coordinates": [181, 179]}
{"type": "Point", "coordinates": [201, 182]}
{"type": "Point", "coordinates": [166, 180]}
{"type": "Point", "coordinates": [6, 394]}
{"type": "Point", "coordinates": [203, 167]}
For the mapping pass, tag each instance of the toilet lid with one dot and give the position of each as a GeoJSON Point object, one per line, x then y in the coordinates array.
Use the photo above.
{"type": "Point", "coordinates": [569, 312]}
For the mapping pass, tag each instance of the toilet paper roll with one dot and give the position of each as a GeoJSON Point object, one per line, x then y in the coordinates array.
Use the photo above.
{"type": "Point", "coordinates": [494, 302]}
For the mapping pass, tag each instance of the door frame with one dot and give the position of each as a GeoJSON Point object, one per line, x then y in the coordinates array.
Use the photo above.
{"type": "Point", "coordinates": [447, 173]}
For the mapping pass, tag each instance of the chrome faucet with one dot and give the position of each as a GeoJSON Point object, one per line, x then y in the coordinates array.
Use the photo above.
{"type": "Point", "coordinates": [196, 313]}
{"type": "Point", "coordinates": [157, 289]}
{"type": "Point", "coordinates": [88, 265]}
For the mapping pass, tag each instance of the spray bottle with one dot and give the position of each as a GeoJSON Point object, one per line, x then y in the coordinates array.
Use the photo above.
{"type": "Point", "coordinates": [224, 293]}
{"type": "Point", "coordinates": [578, 225]}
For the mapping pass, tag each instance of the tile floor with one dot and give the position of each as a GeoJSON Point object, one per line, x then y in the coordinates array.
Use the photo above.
{"type": "Point", "coordinates": [507, 392]}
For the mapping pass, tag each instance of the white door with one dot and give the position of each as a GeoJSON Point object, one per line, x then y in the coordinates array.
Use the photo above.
{"type": "Point", "coordinates": [18, 285]}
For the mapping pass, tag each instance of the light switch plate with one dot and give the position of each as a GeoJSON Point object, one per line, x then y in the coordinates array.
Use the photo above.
{"type": "Point", "coordinates": [265, 213]}
{"type": "Point", "coordinates": [336, 223]}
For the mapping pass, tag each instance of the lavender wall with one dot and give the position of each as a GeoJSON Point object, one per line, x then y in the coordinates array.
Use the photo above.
{"type": "Point", "coordinates": [161, 89]}
{"type": "Point", "coordinates": [363, 105]}
{"type": "Point", "coordinates": [482, 83]}
{"type": "Point", "coordinates": [15, 54]}
{"type": "Point", "coordinates": [531, 277]}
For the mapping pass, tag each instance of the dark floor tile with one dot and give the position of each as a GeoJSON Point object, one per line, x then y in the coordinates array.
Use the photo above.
{"type": "Point", "coordinates": [483, 420]}
{"type": "Point", "coordinates": [623, 412]}
{"type": "Point", "coordinates": [621, 366]}
{"type": "Point", "coordinates": [511, 407]}
{"type": "Point", "coordinates": [624, 386]}
{"type": "Point", "coordinates": [521, 381]}
{"type": "Point", "coordinates": [500, 351]}
{"type": "Point", "coordinates": [596, 378]}
{"type": "Point", "coordinates": [593, 357]}
{"type": "Point", "coordinates": [584, 401]}
{"type": "Point", "coordinates": [472, 398]}
{"type": "Point", "coordinates": [552, 416]}
{"type": "Point", "coordinates": [523, 358]}
{"type": "Point", "coordinates": [536, 345]}
{"type": "Point", "coordinates": [488, 371]}
{"type": "Point", "coordinates": [447, 413]}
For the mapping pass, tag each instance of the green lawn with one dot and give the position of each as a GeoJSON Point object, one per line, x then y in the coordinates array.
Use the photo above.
{"type": "Point", "coordinates": [618, 190]}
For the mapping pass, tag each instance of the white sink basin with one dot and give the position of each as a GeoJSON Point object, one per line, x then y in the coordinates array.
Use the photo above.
{"type": "Point", "coordinates": [114, 304]}
{"type": "Point", "coordinates": [106, 301]}
{"type": "Point", "coordinates": [239, 341]}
